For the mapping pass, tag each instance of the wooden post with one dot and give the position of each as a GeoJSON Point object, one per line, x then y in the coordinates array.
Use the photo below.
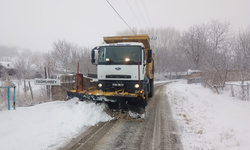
{"type": "Point", "coordinates": [25, 89]}
{"type": "Point", "coordinates": [31, 91]}
{"type": "Point", "coordinates": [77, 86]}
{"type": "Point", "coordinates": [45, 72]}
{"type": "Point", "coordinates": [47, 87]}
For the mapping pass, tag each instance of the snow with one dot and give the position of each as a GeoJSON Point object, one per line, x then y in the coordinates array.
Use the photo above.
{"type": "Point", "coordinates": [238, 83]}
{"type": "Point", "coordinates": [192, 71]}
{"type": "Point", "coordinates": [7, 64]}
{"type": "Point", "coordinates": [35, 88]}
{"type": "Point", "coordinates": [207, 120]}
{"type": "Point", "coordinates": [48, 125]}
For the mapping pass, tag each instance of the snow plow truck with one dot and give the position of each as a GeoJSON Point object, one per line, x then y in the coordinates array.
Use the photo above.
{"type": "Point", "coordinates": [125, 74]}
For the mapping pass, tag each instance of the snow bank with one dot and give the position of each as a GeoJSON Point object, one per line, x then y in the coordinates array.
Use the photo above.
{"type": "Point", "coordinates": [48, 125]}
{"type": "Point", "coordinates": [207, 120]}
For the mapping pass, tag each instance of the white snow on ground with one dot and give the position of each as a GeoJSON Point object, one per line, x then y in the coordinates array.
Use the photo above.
{"type": "Point", "coordinates": [238, 82]}
{"type": "Point", "coordinates": [207, 120]}
{"type": "Point", "coordinates": [49, 125]}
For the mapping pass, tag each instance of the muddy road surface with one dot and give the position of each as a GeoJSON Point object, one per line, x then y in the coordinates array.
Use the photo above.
{"type": "Point", "coordinates": [157, 132]}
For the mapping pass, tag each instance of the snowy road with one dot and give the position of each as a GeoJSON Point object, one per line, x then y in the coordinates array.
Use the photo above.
{"type": "Point", "coordinates": [204, 120]}
{"type": "Point", "coordinates": [157, 131]}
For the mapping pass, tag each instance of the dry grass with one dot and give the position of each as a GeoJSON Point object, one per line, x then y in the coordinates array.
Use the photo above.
{"type": "Point", "coordinates": [22, 99]}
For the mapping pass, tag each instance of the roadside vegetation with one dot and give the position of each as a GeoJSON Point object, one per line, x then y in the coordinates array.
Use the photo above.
{"type": "Point", "coordinates": [212, 48]}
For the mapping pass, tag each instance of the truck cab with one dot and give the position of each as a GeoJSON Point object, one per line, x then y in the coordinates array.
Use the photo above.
{"type": "Point", "coordinates": [121, 66]}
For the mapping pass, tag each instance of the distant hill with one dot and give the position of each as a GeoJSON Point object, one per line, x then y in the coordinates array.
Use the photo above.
{"type": "Point", "coordinates": [7, 52]}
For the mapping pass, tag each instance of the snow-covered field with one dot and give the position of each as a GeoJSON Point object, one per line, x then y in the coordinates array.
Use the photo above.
{"type": "Point", "coordinates": [48, 125]}
{"type": "Point", "coordinates": [207, 120]}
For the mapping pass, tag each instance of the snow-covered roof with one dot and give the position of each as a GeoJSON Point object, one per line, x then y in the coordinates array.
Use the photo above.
{"type": "Point", "coordinates": [7, 64]}
{"type": "Point", "coordinates": [192, 71]}
{"type": "Point", "coordinates": [124, 44]}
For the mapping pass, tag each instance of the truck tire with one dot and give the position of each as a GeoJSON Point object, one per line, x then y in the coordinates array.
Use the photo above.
{"type": "Point", "coordinates": [151, 93]}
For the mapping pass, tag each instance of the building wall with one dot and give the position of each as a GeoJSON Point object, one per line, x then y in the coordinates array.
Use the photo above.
{"type": "Point", "coordinates": [238, 75]}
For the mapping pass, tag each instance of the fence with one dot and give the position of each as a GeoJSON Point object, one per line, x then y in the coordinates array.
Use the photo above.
{"type": "Point", "coordinates": [196, 80]}
{"type": "Point", "coordinates": [239, 91]}
{"type": "Point", "coordinates": [14, 96]}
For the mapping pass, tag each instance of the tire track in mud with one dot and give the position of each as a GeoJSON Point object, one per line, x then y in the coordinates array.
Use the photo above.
{"type": "Point", "coordinates": [157, 131]}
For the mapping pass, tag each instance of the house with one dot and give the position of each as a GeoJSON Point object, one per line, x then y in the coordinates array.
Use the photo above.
{"type": "Point", "coordinates": [7, 64]}
{"type": "Point", "coordinates": [6, 67]}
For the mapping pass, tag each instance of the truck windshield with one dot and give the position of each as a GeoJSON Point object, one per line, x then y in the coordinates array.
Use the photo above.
{"type": "Point", "coordinates": [127, 55]}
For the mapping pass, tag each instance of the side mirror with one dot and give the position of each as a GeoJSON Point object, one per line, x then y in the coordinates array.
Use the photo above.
{"type": "Point", "coordinates": [149, 59]}
{"type": "Point", "coordinates": [93, 56]}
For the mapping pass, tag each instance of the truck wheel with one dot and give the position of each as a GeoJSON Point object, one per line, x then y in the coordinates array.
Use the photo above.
{"type": "Point", "coordinates": [151, 93]}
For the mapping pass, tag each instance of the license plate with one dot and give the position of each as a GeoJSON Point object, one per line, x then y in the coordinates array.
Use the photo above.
{"type": "Point", "coordinates": [117, 84]}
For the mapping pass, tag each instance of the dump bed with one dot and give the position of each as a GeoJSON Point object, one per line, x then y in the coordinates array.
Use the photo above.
{"type": "Point", "coordinates": [132, 38]}
{"type": "Point", "coordinates": [143, 38]}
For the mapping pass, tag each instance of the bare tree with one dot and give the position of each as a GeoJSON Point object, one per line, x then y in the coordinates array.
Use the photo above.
{"type": "Point", "coordinates": [38, 61]}
{"type": "Point", "coordinates": [242, 60]}
{"type": "Point", "coordinates": [61, 54]}
{"type": "Point", "coordinates": [244, 47]}
{"type": "Point", "coordinates": [165, 46]}
{"type": "Point", "coordinates": [86, 67]}
{"type": "Point", "coordinates": [194, 43]}
{"type": "Point", "coordinates": [50, 63]}
{"type": "Point", "coordinates": [23, 68]}
{"type": "Point", "coordinates": [164, 42]}
{"type": "Point", "coordinates": [219, 56]}
{"type": "Point", "coordinates": [65, 56]}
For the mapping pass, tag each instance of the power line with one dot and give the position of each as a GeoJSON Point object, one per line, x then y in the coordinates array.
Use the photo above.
{"type": "Point", "coordinates": [146, 13]}
{"type": "Point", "coordinates": [140, 13]}
{"type": "Point", "coordinates": [134, 13]}
{"type": "Point", "coordinates": [121, 17]}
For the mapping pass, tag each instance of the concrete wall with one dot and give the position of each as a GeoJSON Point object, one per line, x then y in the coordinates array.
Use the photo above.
{"type": "Point", "coordinates": [67, 83]}
{"type": "Point", "coordinates": [60, 92]}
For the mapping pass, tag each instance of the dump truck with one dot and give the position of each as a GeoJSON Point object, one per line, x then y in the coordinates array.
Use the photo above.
{"type": "Point", "coordinates": [125, 74]}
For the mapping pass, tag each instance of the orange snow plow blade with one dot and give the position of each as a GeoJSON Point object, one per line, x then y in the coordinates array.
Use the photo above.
{"type": "Point", "coordinates": [118, 100]}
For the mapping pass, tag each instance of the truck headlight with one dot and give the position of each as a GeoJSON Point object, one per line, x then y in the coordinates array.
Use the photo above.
{"type": "Point", "coordinates": [99, 85]}
{"type": "Point", "coordinates": [127, 59]}
{"type": "Point", "coordinates": [136, 86]}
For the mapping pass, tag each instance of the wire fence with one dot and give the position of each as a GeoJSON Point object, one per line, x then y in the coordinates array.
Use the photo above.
{"type": "Point", "coordinates": [239, 91]}
{"type": "Point", "coordinates": [196, 80]}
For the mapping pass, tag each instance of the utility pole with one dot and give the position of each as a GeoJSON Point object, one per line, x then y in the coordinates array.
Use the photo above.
{"type": "Point", "coordinates": [47, 87]}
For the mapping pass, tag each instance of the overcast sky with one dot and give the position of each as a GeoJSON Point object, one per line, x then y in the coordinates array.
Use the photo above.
{"type": "Point", "coordinates": [36, 24]}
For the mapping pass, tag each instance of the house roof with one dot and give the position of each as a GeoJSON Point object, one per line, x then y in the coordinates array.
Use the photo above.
{"type": "Point", "coordinates": [7, 64]}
